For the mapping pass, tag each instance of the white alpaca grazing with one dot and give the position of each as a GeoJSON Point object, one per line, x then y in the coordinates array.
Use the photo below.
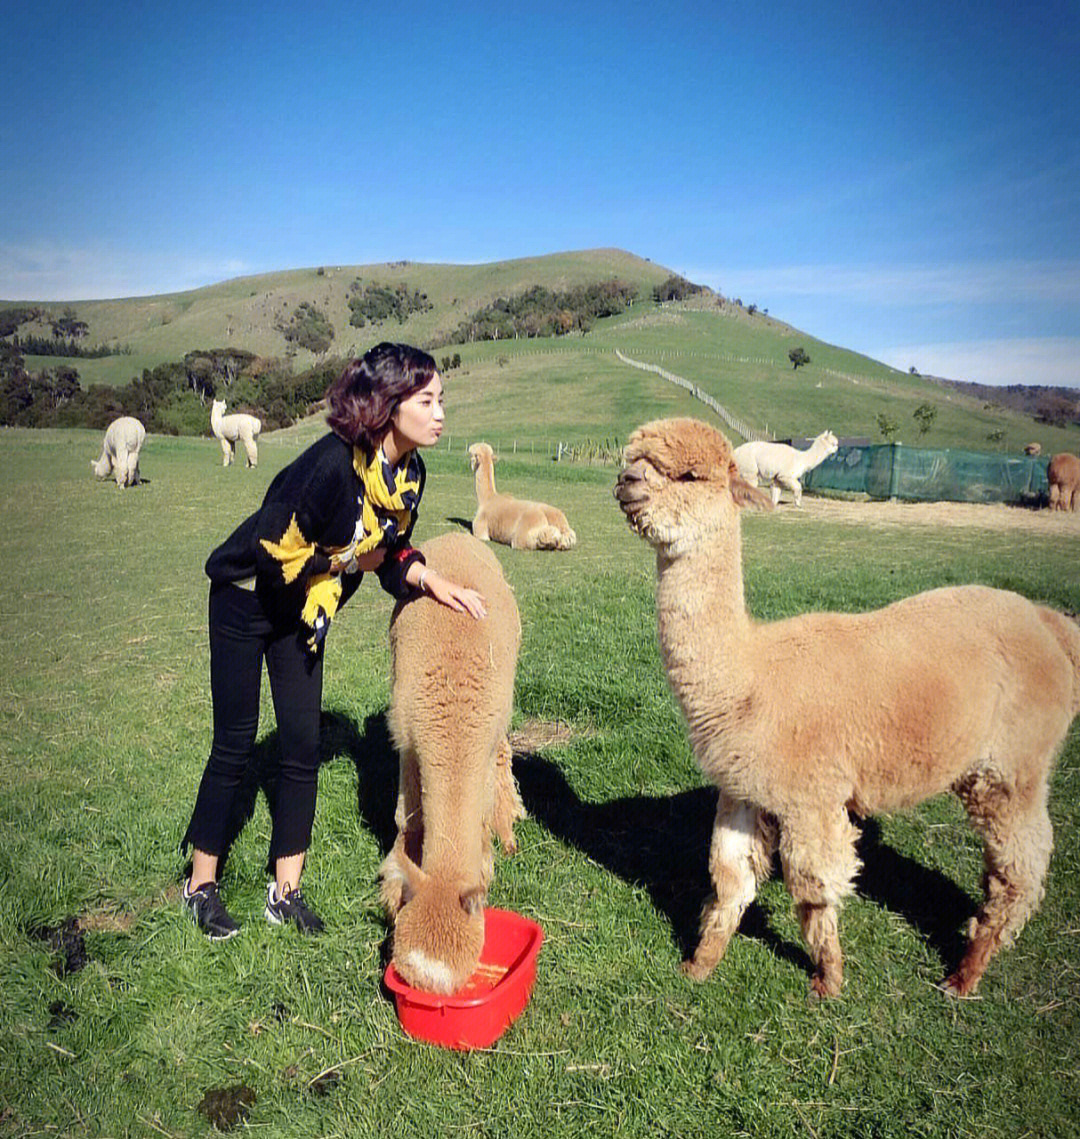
{"type": "Point", "coordinates": [232, 428]}
{"type": "Point", "coordinates": [120, 451]}
{"type": "Point", "coordinates": [781, 465]}
{"type": "Point", "coordinates": [514, 522]}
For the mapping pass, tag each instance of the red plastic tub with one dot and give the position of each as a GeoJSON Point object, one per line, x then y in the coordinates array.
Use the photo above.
{"type": "Point", "coordinates": [489, 1001]}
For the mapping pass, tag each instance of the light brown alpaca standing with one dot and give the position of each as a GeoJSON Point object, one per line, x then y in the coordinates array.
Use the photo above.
{"type": "Point", "coordinates": [514, 522]}
{"type": "Point", "coordinates": [1063, 477]}
{"type": "Point", "coordinates": [800, 721]}
{"type": "Point", "coordinates": [450, 708]}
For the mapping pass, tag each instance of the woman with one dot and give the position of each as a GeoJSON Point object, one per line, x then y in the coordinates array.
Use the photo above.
{"type": "Point", "coordinates": [346, 505]}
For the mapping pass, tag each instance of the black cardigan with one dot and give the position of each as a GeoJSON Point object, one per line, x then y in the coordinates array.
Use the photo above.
{"type": "Point", "coordinates": [312, 501]}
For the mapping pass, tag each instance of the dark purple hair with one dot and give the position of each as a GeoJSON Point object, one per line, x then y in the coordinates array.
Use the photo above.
{"type": "Point", "coordinates": [365, 396]}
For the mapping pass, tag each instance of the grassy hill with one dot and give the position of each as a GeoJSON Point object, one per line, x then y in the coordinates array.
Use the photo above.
{"type": "Point", "coordinates": [533, 393]}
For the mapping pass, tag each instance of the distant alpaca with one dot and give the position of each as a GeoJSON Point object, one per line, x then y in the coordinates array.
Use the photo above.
{"type": "Point", "coordinates": [799, 722]}
{"type": "Point", "coordinates": [120, 451]}
{"type": "Point", "coordinates": [1063, 475]}
{"type": "Point", "coordinates": [514, 522]}
{"type": "Point", "coordinates": [231, 428]}
{"type": "Point", "coordinates": [450, 707]}
{"type": "Point", "coordinates": [781, 465]}
{"type": "Point", "coordinates": [1033, 449]}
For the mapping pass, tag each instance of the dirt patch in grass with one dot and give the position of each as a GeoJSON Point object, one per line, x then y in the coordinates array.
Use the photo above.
{"type": "Point", "coordinates": [535, 735]}
{"type": "Point", "coordinates": [937, 515]}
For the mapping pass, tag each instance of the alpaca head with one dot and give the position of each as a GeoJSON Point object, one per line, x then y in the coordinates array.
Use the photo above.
{"type": "Point", "coordinates": [479, 452]}
{"type": "Point", "coordinates": [829, 442]}
{"type": "Point", "coordinates": [218, 407]}
{"type": "Point", "coordinates": [680, 482]}
{"type": "Point", "coordinates": [101, 467]}
{"type": "Point", "coordinates": [439, 930]}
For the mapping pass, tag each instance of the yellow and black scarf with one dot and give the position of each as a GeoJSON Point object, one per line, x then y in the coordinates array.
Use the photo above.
{"type": "Point", "coordinates": [386, 500]}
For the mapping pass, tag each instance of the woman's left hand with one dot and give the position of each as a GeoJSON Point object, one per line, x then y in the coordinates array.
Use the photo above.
{"type": "Point", "coordinates": [457, 597]}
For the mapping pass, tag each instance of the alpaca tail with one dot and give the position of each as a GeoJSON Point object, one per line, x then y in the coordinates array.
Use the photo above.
{"type": "Point", "coordinates": [1065, 628]}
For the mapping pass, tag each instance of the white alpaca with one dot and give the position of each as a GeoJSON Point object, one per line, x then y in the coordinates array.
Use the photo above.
{"type": "Point", "coordinates": [231, 428]}
{"type": "Point", "coordinates": [512, 521]}
{"type": "Point", "coordinates": [120, 451]}
{"type": "Point", "coordinates": [801, 721]}
{"type": "Point", "coordinates": [781, 465]}
{"type": "Point", "coordinates": [452, 698]}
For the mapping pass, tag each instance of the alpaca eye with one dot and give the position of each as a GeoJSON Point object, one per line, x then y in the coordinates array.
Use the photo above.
{"type": "Point", "coordinates": [688, 476]}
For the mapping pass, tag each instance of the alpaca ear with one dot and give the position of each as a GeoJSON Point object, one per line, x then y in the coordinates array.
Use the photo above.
{"type": "Point", "coordinates": [412, 877]}
{"type": "Point", "coordinates": [745, 495]}
{"type": "Point", "coordinates": [473, 899]}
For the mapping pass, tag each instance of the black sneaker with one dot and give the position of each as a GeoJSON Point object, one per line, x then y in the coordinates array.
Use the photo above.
{"type": "Point", "coordinates": [291, 907]}
{"type": "Point", "coordinates": [209, 913]}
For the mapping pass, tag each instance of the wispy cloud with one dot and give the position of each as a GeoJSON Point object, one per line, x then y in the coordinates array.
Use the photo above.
{"type": "Point", "coordinates": [1053, 361]}
{"type": "Point", "coordinates": [971, 283]}
{"type": "Point", "coordinates": [48, 272]}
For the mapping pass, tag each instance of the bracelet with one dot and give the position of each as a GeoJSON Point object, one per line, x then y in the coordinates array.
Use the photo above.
{"type": "Point", "coordinates": [420, 583]}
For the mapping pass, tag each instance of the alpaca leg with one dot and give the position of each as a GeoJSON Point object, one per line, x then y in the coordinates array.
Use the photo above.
{"type": "Point", "coordinates": [480, 530]}
{"type": "Point", "coordinates": [819, 860]}
{"type": "Point", "coordinates": [251, 451]}
{"type": "Point", "coordinates": [774, 492]}
{"type": "Point", "coordinates": [1018, 840]}
{"type": "Point", "coordinates": [743, 841]}
{"type": "Point", "coordinates": [226, 452]}
{"type": "Point", "coordinates": [409, 818]}
{"type": "Point", "coordinates": [792, 484]}
{"type": "Point", "coordinates": [508, 806]}
{"type": "Point", "coordinates": [120, 461]}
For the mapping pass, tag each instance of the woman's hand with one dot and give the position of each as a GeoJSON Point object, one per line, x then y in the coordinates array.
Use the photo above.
{"type": "Point", "coordinates": [457, 597]}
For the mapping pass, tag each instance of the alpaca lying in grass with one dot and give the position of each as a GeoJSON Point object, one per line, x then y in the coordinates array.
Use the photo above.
{"type": "Point", "coordinates": [800, 721]}
{"type": "Point", "coordinates": [1063, 477]}
{"type": "Point", "coordinates": [231, 429]}
{"type": "Point", "coordinates": [781, 465]}
{"type": "Point", "coordinates": [453, 694]}
{"type": "Point", "coordinates": [514, 522]}
{"type": "Point", "coordinates": [120, 451]}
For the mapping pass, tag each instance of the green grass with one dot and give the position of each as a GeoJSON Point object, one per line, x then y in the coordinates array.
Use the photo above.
{"type": "Point", "coordinates": [106, 716]}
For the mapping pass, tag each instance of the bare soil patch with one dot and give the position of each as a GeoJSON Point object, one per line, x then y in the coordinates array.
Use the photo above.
{"type": "Point", "coordinates": [534, 735]}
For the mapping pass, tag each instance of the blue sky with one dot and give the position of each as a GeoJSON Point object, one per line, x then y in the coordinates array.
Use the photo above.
{"type": "Point", "coordinates": [901, 179]}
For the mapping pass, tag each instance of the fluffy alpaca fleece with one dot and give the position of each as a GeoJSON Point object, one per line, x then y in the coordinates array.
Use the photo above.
{"type": "Point", "coordinates": [453, 694]}
{"type": "Point", "coordinates": [514, 522]}
{"type": "Point", "coordinates": [124, 439]}
{"type": "Point", "coordinates": [1063, 475]}
{"type": "Point", "coordinates": [782, 466]}
{"type": "Point", "coordinates": [230, 429]}
{"type": "Point", "coordinates": [800, 721]}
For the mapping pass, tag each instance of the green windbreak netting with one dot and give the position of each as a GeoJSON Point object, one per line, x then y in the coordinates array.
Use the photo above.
{"type": "Point", "coordinates": [892, 470]}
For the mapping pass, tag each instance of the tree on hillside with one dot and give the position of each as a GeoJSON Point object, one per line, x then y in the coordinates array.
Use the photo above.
{"type": "Point", "coordinates": [68, 326]}
{"type": "Point", "coordinates": [308, 327]}
{"type": "Point", "coordinates": [675, 288]}
{"type": "Point", "coordinates": [798, 358]}
{"type": "Point", "coordinates": [11, 318]}
{"type": "Point", "coordinates": [924, 415]}
{"type": "Point", "coordinates": [888, 427]}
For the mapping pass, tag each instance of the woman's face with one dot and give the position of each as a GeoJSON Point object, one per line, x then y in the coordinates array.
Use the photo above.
{"type": "Point", "coordinates": [418, 420]}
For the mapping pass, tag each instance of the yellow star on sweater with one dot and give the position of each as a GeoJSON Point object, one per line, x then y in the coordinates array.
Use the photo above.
{"type": "Point", "coordinates": [293, 551]}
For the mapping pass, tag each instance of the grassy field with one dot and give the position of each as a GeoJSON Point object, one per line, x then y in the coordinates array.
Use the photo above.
{"type": "Point", "coordinates": [106, 711]}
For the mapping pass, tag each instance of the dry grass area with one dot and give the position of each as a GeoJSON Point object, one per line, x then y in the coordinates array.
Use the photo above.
{"type": "Point", "coordinates": [937, 515]}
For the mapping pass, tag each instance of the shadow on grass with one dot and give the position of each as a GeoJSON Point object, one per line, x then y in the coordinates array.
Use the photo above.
{"type": "Point", "coordinates": [464, 523]}
{"type": "Point", "coordinates": [662, 845]}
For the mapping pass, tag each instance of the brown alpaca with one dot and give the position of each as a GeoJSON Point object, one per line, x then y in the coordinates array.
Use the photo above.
{"type": "Point", "coordinates": [1063, 475]}
{"type": "Point", "coordinates": [513, 521]}
{"type": "Point", "coordinates": [800, 721]}
{"type": "Point", "coordinates": [453, 694]}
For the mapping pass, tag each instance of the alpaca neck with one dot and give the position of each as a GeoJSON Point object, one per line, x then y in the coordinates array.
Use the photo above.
{"type": "Point", "coordinates": [215, 420]}
{"type": "Point", "coordinates": [485, 481]}
{"type": "Point", "coordinates": [703, 624]}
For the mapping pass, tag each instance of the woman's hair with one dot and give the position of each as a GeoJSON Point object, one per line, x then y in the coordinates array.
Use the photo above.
{"type": "Point", "coordinates": [367, 393]}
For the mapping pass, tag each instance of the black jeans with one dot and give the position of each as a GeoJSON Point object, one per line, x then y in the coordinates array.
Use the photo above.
{"type": "Point", "coordinates": [241, 638]}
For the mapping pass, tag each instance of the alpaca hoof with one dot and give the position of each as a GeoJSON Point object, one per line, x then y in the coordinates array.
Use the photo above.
{"type": "Point", "coordinates": [957, 986]}
{"type": "Point", "coordinates": [695, 971]}
{"type": "Point", "coordinates": [822, 988]}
